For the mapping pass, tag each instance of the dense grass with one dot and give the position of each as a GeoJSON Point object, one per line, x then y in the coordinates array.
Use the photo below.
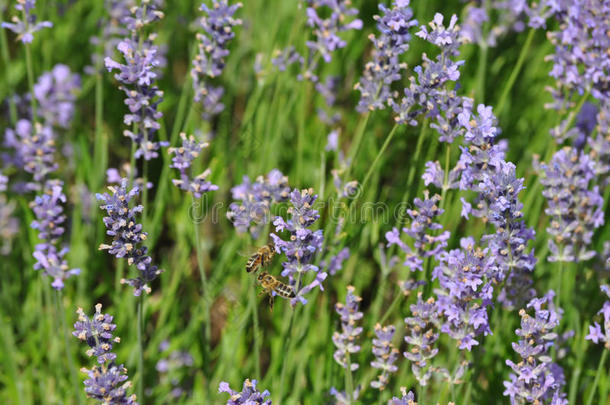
{"type": "Point", "coordinates": [269, 122]}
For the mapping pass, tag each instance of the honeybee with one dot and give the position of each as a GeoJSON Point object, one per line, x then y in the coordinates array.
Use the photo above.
{"type": "Point", "coordinates": [272, 285]}
{"type": "Point", "coordinates": [262, 257]}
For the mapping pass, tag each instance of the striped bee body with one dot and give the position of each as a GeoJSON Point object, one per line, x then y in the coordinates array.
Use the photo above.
{"type": "Point", "coordinates": [262, 257]}
{"type": "Point", "coordinates": [272, 285]}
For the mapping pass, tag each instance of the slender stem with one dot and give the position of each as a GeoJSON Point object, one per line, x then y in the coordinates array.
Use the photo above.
{"type": "Point", "coordinates": [30, 70]}
{"type": "Point", "coordinates": [285, 351]}
{"type": "Point", "coordinates": [481, 71]}
{"type": "Point", "coordinates": [206, 299]}
{"type": "Point", "coordinates": [141, 382]}
{"type": "Point", "coordinates": [573, 390]}
{"type": "Point", "coordinates": [257, 331]}
{"type": "Point", "coordinates": [349, 379]}
{"type": "Point", "coordinates": [559, 282]}
{"type": "Point", "coordinates": [62, 319]}
{"type": "Point", "coordinates": [144, 192]}
{"type": "Point", "coordinates": [381, 151]}
{"type": "Point", "coordinates": [391, 308]}
{"type": "Point", "coordinates": [6, 61]}
{"type": "Point", "coordinates": [99, 152]}
{"type": "Point", "coordinates": [356, 144]}
{"type": "Point", "coordinates": [446, 175]}
{"type": "Point", "coordinates": [515, 72]}
{"type": "Point", "coordinates": [600, 369]}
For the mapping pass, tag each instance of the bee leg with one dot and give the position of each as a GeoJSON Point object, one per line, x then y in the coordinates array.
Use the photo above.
{"type": "Point", "coordinates": [271, 300]}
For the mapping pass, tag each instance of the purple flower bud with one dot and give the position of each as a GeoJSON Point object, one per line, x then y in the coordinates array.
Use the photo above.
{"type": "Point", "coordinates": [408, 398]}
{"type": "Point", "coordinates": [421, 336]}
{"type": "Point", "coordinates": [595, 331]}
{"type": "Point", "coordinates": [55, 92]}
{"type": "Point", "coordinates": [25, 24]}
{"type": "Point", "coordinates": [385, 355]}
{"type": "Point", "coordinates": [346, 340]}
{"type": "Point", "coordinates": [183, 157]}
{"type": "Point", "coordinates": [127, 234]}
{"type": "Point", "coordinates": [249, 395]}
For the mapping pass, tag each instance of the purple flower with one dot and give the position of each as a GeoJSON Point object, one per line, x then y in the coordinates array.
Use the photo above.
{"type": "Point", "coordinates": [384, 68]}
{"type": "Point", "coordinates": [183, 157]}
{"type": "Point", "coordinates": [172, 368]}
{"type": "Point", "coordinates": [346, 340]}
{"type": "Point", "coordinates": [408, 398]}
{"type": "Point", "coordinates": [340, 397]}
{"type": "Point", "coordinates": [107, 381]}
{"type": "Point", "coordinates": [575, 207]}
{"type": "Point", "coordinates": [50, 216]}
{"type": "Point", "coordinates": [421, 336]}
{"type": "Point", "coordinates": [25, 26]}
{"type": "Point", "coordinates": [34, 149]}
{"type": "Point", "coordinates": [137, 77]}
{"type": "Point", "coordinates": [595, 331]}
{"type": "Point", "coordinates": [256, 200]}
{"type": "Point", "coordinates": [335, 263]}
{"type": "Point", "coordinates": [536, 378]}
{"type": "Point", "coordinates": [128, 236]}
{"type": "Point", "coordinates": [217, 24]}
{"type": "Point", "coordinates": [302, 245]}
{"type": "Point", "coordinates": [421, 230]}
{"type": "Point", "coordinates": [326, 30]}
{"type": "Point", "coordinates": [385, 355]}
{"type": "Point", "coordinates": [465, 292]}
{"type": "Point", "coordinates": [249, 395]}
{"type": "Point", "coordinates": [55, 92]}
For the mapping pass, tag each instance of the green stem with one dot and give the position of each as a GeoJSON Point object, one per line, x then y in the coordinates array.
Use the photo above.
{"type": "Point", "coordinates": [257, 331]}
{"type": "Point", "coordinates": [62, 319]}
{"type": "Point", "coordinates": [285, 351]}
{"type": "Point", "coordinates": [6, 61]}
{"type": "Point", "coordinates": [391, 308]}
{"type": "Point", "coordinates": [481, 71]}
{"type": "Point", "coordinates": [206, 299]}
{"type": "Point", "coordinates": [600, 369]}
{"type": "Point", "coordinates": [141, 382]}
{"type": "Point", "coordinates": [30, 70]}
{"type": "Point", "coordinates": [100, 153]}
{"type": "Point", "coordinates": [356, 144]}
{"type": "Point", "coordinates": [349, 380]}
{"type": "Point", "coordinates": [381, 151]}
{"type": "Point", "coordinates": [515, 72]}
{"type": "Point", "coordinates": [446, 175]}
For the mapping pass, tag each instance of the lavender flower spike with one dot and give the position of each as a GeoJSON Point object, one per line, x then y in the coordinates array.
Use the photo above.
{"type": "Point", "coordinates": [137, 77]}
{"type": "Point", "coordinates": [34, 148]}
{"type": "Point", "coordinates": [50, 216]}
{"type": "Point", "coordinates": [127, 234]}
{"type": "Point", "coordinates": [256, 200]}
{"type": "Point", "coordinates": [408, 398]}
{"type": "Point", "coordinates": [536, 379]}
{"type": "Point", "coordinates": [107, 382]}
{"type": "Point", "coordinates": [249, 395]}
{"type": "Point", "coordinates": [182, 160]}
{"type": "Point", "coordinates": [595, 332]}
{"type": "Point", "coordinates": [384, 69]}
{"type": "Point", "coordinates": [302, 245]}
{"type": "Point", "coordinates": [385, 355]}
{"type": "Point", "coordinates": [345, 341]}
{"type": "Point", "coordinates": [27, 25]}
{"type": "Point", "coordinates": [55, 92]}
{"type": "Point", "coordinates": [217, 24]}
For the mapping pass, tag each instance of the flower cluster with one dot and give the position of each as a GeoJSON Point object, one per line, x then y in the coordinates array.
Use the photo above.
{"type": "Point", "coordinates": [430, 92]}
{"type": "Point", "coordinates": [107, 382]}
{"type": "Point", "coordinates": [34, 149]}
{"type": "Point", "coordinates": [171, 367]}
{"type": "Point", "coordinates": [385, 66]}
{"type": "Point", "coordinates": [536, 378]}
{"type": "Point", "coordinates": [346, 340]}
{"type": "Point", "coordinates": [575, 208]}
{"type": "Point", "coordinates": [580, 61]}
{"type": "Point", "coordinates": [50, 217]}
{"type": "Point", "coordinates": [465, 292]}
{"type": "Point", "coordinates": [421, 230]}
{"type": "Point", "coordinates": [341, 398]}
{"type": "Point", "coordinates": [335, 263]}
{"type": "Point", "coordinates": [385, 355]}
{"type": "Point", "coordinates": [182, 160]}
{"type": "Point", "coordinates": [217, 24]}
{"type": "Point", "coordinates": [256, 200]}
{"type": "Point", "coordinates": [302, 245]}
{"type": "Point", "coordinates": [595, 331]}
{"type": "Point", "coordinates": [127, 234]}
{"type": "Point", "coordinates": [326, 30]}
{"type": "Point", "coordinates": [249, 395]}
{"type": "Point", "coordinates": [408, 398]}
{"type": "Point", "coordinates": [137, 75]}
{"type": "Point", "coordinates": [55, 93]}
{"type": "Point", "coordinates": [26, 26]}
{"type": "Point", "coordinates": [421, 336]}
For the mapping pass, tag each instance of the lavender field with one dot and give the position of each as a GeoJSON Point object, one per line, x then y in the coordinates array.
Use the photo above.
{"type": "Point", "coordinates": [304, 202]}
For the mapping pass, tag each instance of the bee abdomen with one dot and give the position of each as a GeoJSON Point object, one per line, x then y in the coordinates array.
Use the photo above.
{"type": "Point", "coordinates": [285, 291]}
